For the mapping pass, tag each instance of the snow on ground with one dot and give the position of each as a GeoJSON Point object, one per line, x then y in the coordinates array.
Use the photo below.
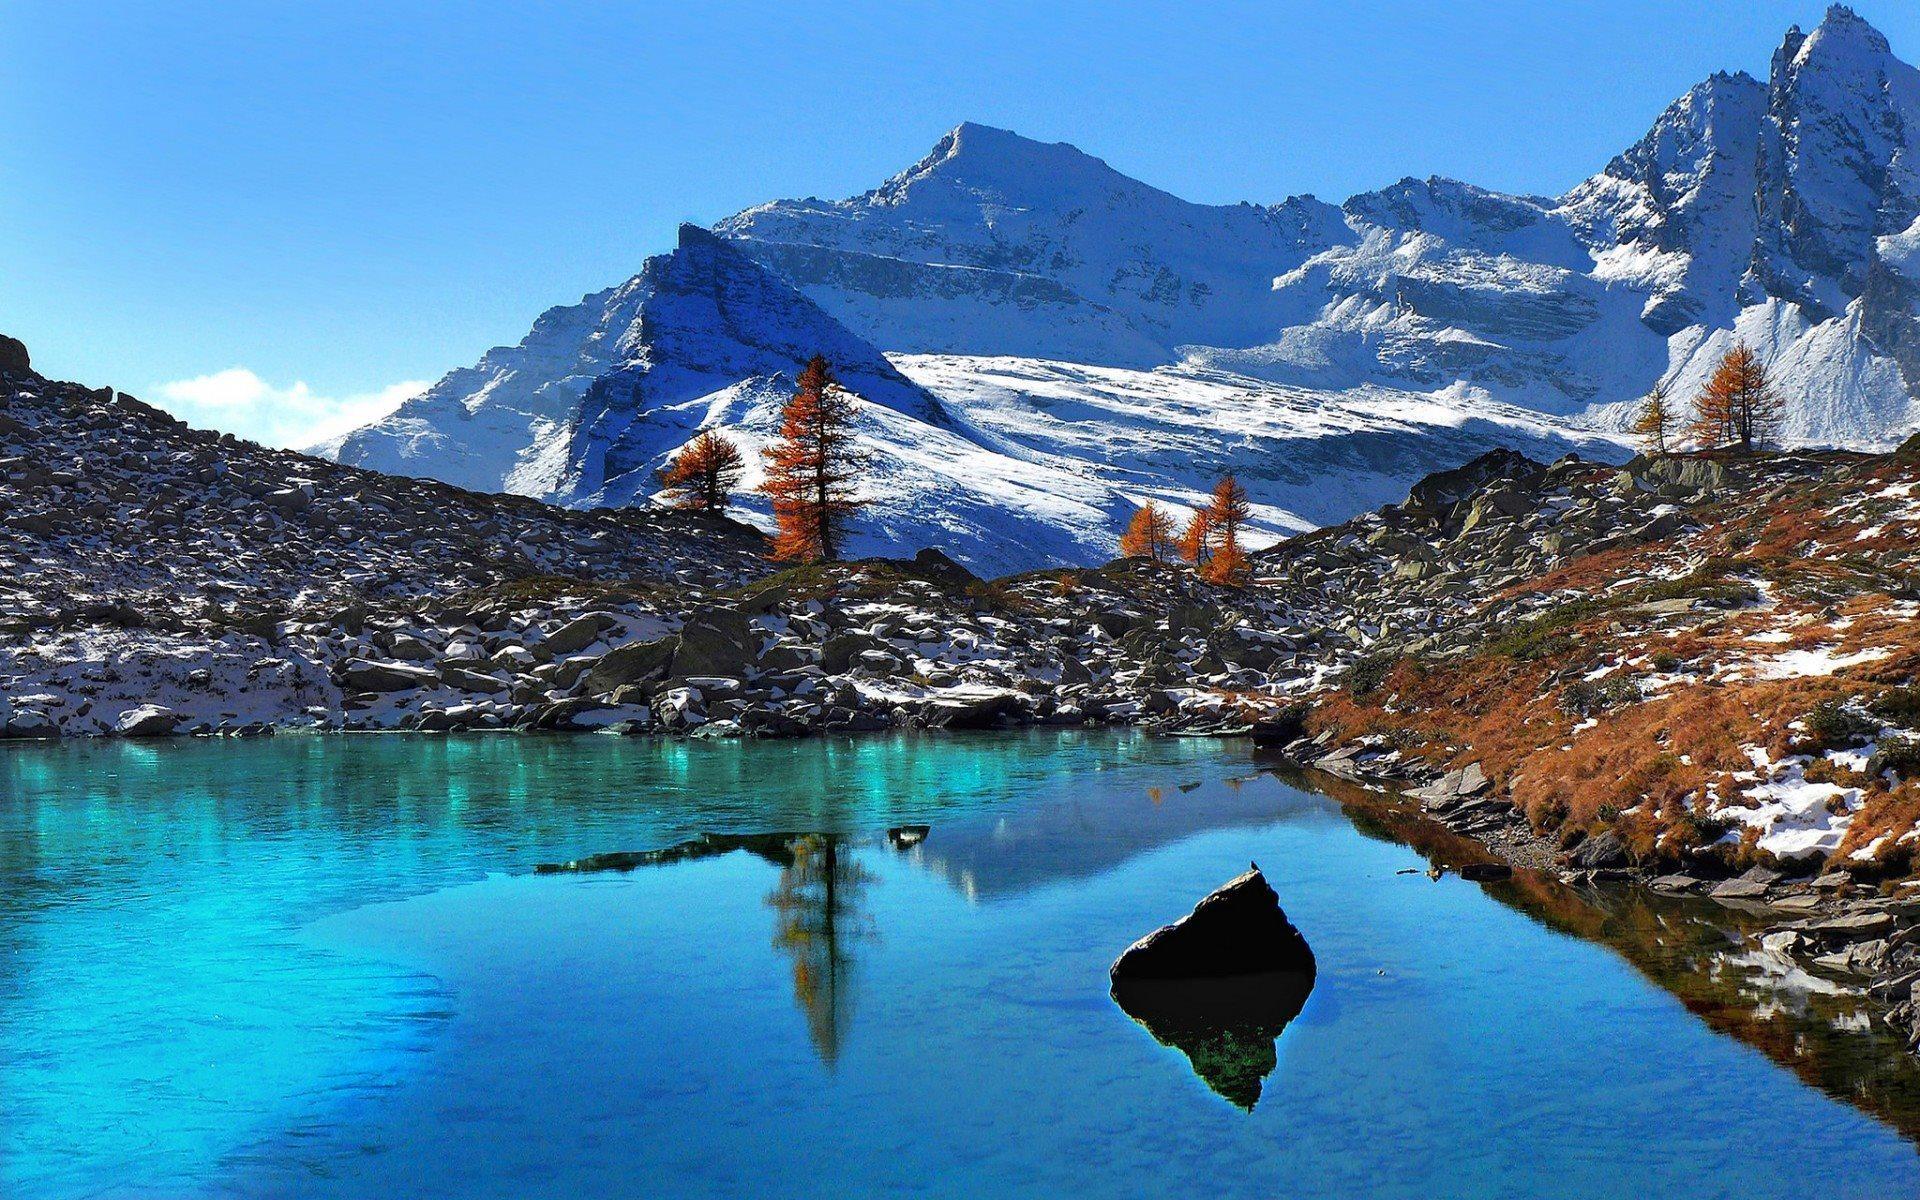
{"type": "Point", "coordinates": [1797, 664]}
{"type": "Point", "coordinates": [1797, 818]}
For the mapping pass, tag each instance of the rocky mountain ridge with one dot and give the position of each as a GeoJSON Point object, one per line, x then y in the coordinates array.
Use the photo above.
{"type": "Point", "coordinates": [1019, 284]}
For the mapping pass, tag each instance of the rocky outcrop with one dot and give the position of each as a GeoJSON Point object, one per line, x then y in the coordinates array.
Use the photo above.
{"type": "Point", "coordinates": [1220, 985]}
{"type": "Point", "coordinates": [1240, 929]}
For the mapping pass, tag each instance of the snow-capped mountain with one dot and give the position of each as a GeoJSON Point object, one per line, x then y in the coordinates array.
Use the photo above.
{"type": "Point", "coordinates": [1040, 342]}
{"type": "Point", "coordinates": [995, 244]}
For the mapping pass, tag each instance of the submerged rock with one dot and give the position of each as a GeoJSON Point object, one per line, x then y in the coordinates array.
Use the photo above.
{"type": "Point", "coordinates": [776, 848]}
{"type": "Point", "coordinates": [1220, 985]}
{"type": "Point", "coordinates": [1486, 872]}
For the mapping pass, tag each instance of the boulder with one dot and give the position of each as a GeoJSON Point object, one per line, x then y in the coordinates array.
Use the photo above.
{"type": "Point", "coordinates": [974, 712]}
{"type": "Point", "coordinates": [1220, 985]}
{"type": "Point", "coordinates": [13, 356]}
{"type": "Point", "coordinates": [1603, 849]}
{"type": "Point", "coordinates": [635, 662]}
{"type": "Point", "coordinates": [839, 652]}
{"type": "Point", "coordinates": [1238, 930]}
{"type": "Point", "coordinates": [364, 675]}
{"type": "Point", "coordinates": [576, 635]}
{"type": "Point", "coordinates": [471, 681]}
{"type": "Point", "coordinates": [718, 641]}
{"type": "Point", "coordinates": [148, 720]}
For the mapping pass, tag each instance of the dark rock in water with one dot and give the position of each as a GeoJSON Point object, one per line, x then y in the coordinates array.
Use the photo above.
{"type": "Point", "coordinates": [1238, 930]}
{"type": "Point", "coordinates": [1226, 1027]}
{"type": "Point", "coordinates": [983, 712]}
{"type": "Point", "coordinates": [1486, 872]}
{"type": "Point", "coordinates": [1220, 984]}
{"type": "Point", "coordinates": [1288, 725]}
{"type": "Point", "coordinates": [906, 837]}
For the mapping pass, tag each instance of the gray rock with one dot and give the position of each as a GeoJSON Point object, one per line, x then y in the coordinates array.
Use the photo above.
{"type": "Point", "coordinates": [576, 635]}
{"type": "Point", "coordinates": [715, 642]}
{"type": "Point", "coordinates": [1603, 849]}
{"type": "Point", "coordinates": [633, 663]}
{"type": "Point", "coordinates": [147, 721]}
{"type": "Point", "coordinates": [471, 681]}
{"type": "Point", "coordinates": [984, 712]}
{"type": "Point", "coordinates": [362, 675]}
{"type": "Point", "coordinates": [839, 652]}
{"type": "Point", "coordinates": [1852, 927]}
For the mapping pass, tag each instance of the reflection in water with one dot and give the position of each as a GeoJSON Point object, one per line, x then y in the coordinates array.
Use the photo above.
{"type": "Point", "coordinates": [818, 902]}
{"type": "Point", "coordinates": [1225, 1027]}
{"type": "Point", "coordinates": [1706, 954]}
{"type": "Point", "coordinates": [160, 1005]}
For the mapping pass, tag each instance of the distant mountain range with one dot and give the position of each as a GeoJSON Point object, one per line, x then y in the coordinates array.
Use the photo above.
{"type": "Point", "coordinates": [1042, 342]}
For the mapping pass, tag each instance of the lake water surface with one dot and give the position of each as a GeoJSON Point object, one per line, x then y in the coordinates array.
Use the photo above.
{"type": "Point", "coordinates": [323, 966]}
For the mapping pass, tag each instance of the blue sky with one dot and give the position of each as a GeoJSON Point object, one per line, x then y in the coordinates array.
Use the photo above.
{"type": "Point", "coordinates": [279, 217]}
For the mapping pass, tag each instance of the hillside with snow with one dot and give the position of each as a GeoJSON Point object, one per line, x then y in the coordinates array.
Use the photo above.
{"type": "Point", "coordinates": [1041, 342]}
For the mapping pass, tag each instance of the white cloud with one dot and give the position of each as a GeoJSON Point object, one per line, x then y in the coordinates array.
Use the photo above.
{"type": "Point", "coordinates": [239, 402]}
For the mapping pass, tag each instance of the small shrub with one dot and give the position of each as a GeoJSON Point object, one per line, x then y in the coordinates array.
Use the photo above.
{"type": "Point", "coordinates": [1832, 725]}
{"type": "Point", "coordinates": [1667, 662]}
{"type": "Point", "coordinates": [1897, 706]}
{"type": "Point", "coordinates": [1584, 697]}
{"type": "Point", "coordinates": [1368, 673]}
{"type": "Point", "coordinates": [1899, 754]}
{"type": "Point", "coordinates": [1547, 634]}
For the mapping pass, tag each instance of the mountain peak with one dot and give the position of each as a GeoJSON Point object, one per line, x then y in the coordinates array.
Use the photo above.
{"type": "Point", "coordinates": [986, 159]}
{"type": "Point", "coordinates": [1841, 30]}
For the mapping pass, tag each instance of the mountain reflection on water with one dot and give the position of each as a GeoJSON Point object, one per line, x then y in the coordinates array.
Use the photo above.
{"type": "Point", "coordinates": [1700, 951]}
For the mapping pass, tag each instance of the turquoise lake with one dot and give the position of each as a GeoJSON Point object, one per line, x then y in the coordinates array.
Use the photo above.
{"type": "Point", "coordinates": [326, 967]}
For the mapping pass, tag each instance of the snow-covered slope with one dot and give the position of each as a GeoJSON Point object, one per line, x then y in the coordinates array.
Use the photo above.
{"type": "Point", "coordinates": [1073, 259]}
{"type": "Point", "coordinates": [1077, 340]}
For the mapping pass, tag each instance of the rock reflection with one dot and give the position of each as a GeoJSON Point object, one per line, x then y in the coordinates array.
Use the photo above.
{"type": "Point", "coordinates": [1225, 1027]}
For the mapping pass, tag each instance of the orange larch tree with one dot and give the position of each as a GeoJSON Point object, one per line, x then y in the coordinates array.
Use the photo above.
{"type": "Point", "coordinates": [1653, 425]}
{"type": "Point", "coordinates": [1196, 541]}
{"type": "Point", "coordinates": [1739, 406]}
{"type": "Point", "coordinates": [811, 469]}
{"type": "Point", "coordinates": [1149, 534]}
{"type": "Point", "coordinates": [704, 473]}
{"type": "Point", "coordinates": [1227, 515]}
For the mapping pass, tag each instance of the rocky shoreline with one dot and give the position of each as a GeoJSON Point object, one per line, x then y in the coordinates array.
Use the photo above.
{"type": "Point", "coordinates": [1823, 923]}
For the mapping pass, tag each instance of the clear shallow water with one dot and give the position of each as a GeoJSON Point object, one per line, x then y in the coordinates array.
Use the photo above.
{"type": "Point", "coordinates": [319, 967]}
